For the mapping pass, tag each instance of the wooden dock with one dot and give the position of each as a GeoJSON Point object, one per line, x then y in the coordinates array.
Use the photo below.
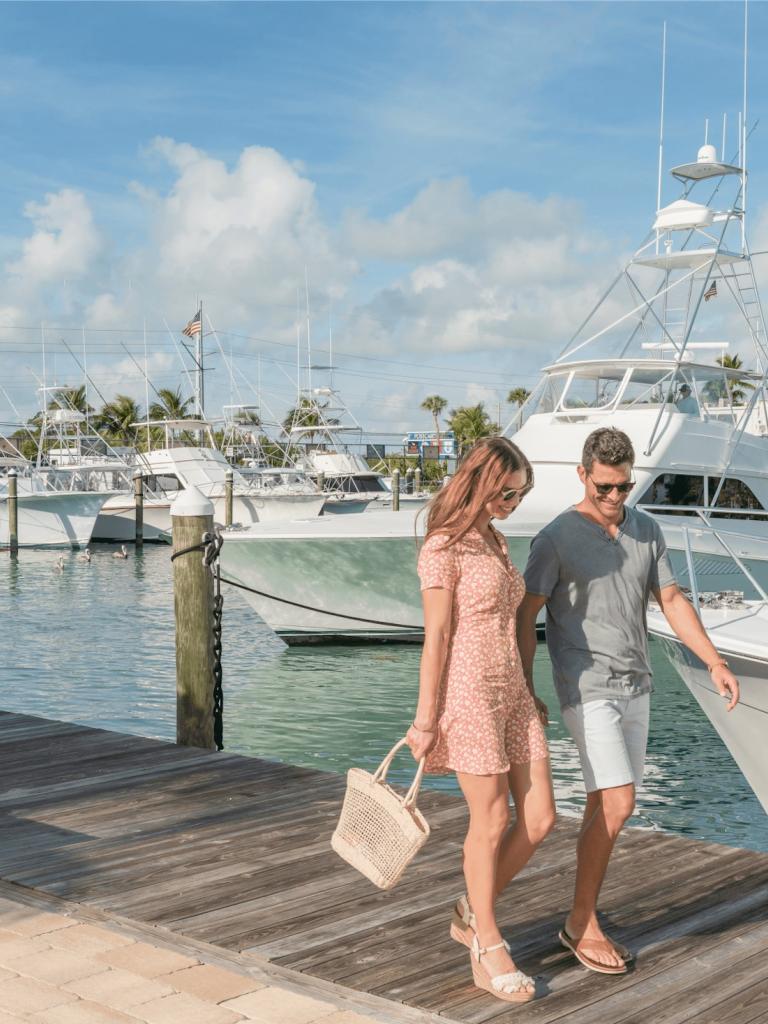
{"type": "Point", "coordinates": [234, 852]}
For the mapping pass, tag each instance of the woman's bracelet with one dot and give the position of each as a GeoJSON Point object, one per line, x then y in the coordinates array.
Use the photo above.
{"type": "Point", "coordinates": [720, 661]}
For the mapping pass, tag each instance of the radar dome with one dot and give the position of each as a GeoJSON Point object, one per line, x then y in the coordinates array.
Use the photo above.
{"type": "Point", "coordinates": [707, 155]}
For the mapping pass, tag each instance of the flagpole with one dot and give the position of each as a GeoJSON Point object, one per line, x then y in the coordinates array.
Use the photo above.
{"type": "Point", "coordinates": [200, 370]}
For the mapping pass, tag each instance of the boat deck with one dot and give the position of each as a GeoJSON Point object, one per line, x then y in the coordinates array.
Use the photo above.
{"type": "Point", "coordinates": [233, 852]}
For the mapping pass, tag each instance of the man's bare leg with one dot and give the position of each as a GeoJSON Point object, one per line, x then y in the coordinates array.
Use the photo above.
{"type": "Point", "coordinates": [605, 814]}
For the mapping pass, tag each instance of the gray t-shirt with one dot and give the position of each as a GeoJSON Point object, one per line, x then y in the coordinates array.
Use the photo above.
{"type": "Point", "coordinates": [597, 589]}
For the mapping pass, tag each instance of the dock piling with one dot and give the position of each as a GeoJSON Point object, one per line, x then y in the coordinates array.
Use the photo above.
{"type": "Point", "coordinates": [138, 501]}
{"type": "Point", "coordinates": [229, 478]}
{"type": "Point", "coordinates": [13, 512]}
{"type": "Point", "coordinates": [417, 480]}
{"type": "Point", "coordinates": [192, 517]}
{"type": "Point", "coordinates": [395, 490]}
{"type": "Point", "coordinates": [409, 480]}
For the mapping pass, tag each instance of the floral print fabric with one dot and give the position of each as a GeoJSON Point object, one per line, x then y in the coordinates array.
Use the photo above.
{"type": "Point", "coordinates": [487, 719]}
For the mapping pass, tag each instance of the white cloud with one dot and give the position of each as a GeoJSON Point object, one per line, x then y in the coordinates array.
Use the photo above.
{"type": "Point", "coordinates": [64, 244]}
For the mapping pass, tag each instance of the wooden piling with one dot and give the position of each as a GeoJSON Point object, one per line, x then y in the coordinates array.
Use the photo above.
{"type": "Point", "coordinates": [192, 516]}
{"type": "Point", "coordinates": [138, 501]}
{"type": "Point", "coordinates": [409, 480]}
{"type": "Point", "coordinates": [321, 481]}
{"type": "Point", "coordinates": [395, 490]}
{"type": "Point", "coordinates": [417, 481]}
{"type": "Point", "coordinates": [229, 478]}
{"type": "Point", "coordinates": [13, 512]}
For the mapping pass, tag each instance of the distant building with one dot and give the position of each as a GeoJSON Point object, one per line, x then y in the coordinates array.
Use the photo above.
{"type": "Point", "coordinates": [424, 443]}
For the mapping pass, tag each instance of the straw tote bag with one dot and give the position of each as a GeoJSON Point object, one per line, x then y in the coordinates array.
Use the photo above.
{"type": "Point", "coordinates": [380, 832]}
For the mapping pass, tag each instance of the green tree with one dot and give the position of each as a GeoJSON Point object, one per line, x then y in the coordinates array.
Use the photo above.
{"type": "Point", "coordinates": [717, 389]}
{"type": "Point", "coordinates": [170, 406]}
{"type": "Point", "coordinates": [517, 396]}
{"type": "Point", "coordinates": [469, 423]}
{"type": "Point", "coordinates": [116, 418]}
{"type": "Point", "coordinates": [435, 405]}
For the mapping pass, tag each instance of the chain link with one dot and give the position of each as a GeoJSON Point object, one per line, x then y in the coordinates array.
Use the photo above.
{"type": "Point", "coordinates": [211, 547]}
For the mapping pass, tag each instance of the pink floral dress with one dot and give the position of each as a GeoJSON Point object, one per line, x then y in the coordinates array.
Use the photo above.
{"type": "Point", "coordinates": [487, 719]}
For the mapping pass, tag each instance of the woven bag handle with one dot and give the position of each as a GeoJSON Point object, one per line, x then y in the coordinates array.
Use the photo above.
{"type": "Point", "coordinates": [380, 775]}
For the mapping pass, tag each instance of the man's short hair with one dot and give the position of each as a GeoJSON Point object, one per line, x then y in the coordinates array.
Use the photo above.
{"type": "Point", "coordinates": [608, 445]}
{"type": "Point", "coordinates": [684, 387]}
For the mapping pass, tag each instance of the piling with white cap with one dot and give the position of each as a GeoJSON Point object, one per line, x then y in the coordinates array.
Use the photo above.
{"type": "Point", "coordinates": [138, 502]}
{"type": "Point", "coordinates": [13, 513]}
{"type": "Point", "coordinates": [192, 517]}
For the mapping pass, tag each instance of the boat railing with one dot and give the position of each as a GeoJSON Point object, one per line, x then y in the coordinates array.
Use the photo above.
{"type": "Point", "coordinates": [716, 512]}
{"type": "Point", "coordinates": [719, 536]}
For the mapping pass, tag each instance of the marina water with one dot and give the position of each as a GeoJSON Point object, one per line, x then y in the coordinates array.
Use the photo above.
{"type": "Point", "coordinates": [94, 644]}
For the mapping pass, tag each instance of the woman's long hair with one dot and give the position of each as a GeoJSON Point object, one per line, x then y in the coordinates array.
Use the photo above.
{"type": "Point", "coordinates": [478, 479]}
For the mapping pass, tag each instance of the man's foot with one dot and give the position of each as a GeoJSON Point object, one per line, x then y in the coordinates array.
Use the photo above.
{"type": "Point", "coordinates": [593, 949]}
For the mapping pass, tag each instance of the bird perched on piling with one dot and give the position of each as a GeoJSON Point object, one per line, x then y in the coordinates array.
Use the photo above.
{"type": "Point", "coordinates": [122, 553]}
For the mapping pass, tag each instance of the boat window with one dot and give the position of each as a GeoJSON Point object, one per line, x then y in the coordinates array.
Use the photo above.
{"type": "Point", "coordinates": [163, 484]}
{"type": "Point", "coordinates": [551, 393]}
{"type": "Point", "coordinates": [670, 489]}
{"type": "Point", "coordinates": [644, 392]}
{"type": "Point", "coordinates": [355, 484]}
{"type": "Point", "coordinates": [734, 495]}
{"type": "Point", "coordinates": [590, 392]}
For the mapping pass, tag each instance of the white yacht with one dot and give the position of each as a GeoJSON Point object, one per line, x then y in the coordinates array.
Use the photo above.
{"type": "Point", "coordinates": [183, 461]}
{"type": "Point", "coordinates": [737, 627]}
{"type": "Point", "coordinates": [642, 366]}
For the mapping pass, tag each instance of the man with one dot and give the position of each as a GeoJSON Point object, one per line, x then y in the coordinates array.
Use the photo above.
{"type": "Point", "coordinates": [686, 402]}
{"type": "Point", "coordinates": [595, 567]}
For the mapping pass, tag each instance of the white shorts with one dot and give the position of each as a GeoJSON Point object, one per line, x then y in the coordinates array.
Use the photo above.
{"type": "Point", "coordinates": [611, 735]}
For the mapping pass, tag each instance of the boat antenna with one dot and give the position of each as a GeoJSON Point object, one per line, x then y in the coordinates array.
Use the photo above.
{"type": "Point", "coordinates": [330, 339]}
{"type": "Point", "coordinates": [725, 123]}
{"type": "Point", "coordinates": [661, 123]}
{"type": "Point", "coordinates": [85, 372]}
{"type": "Point", "coordinates": [309, 337]}
{"type": "Point", "coordinates": [706, 130]}
{"type": "Point", "coordinates": [744, 135]}
{"type": "Point", "coordinates": [146, 386]}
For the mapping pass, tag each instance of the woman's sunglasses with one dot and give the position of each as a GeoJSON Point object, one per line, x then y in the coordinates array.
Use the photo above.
{"type": "Point", "coordinates": [511, 494]}
{"type": "Point", "coordinates": [624, 488]}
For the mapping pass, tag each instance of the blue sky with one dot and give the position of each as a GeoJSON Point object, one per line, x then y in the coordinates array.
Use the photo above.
{"type": "Point", "coordinates": [395, 148]}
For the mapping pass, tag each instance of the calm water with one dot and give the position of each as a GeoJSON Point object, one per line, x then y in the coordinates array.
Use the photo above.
{"type": "Point", "coordinates": [95, 645]}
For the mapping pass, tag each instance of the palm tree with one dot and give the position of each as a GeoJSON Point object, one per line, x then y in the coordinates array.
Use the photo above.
{"type": "Point", "coordinates": [518, 396]}
{"type": "Point", "coordinates": [435, 404]}
{"type": "Point", "coordinates": [732, 390]}
{"type": "Point", "coordinates": [171, 406]}
{"type": "Point", "coordinates": [469, 423]}
{"type": "Point", "coordinates": [71, 398]}
{"type": "Point", "coordinates": [308, 413]}
{"type": "Point", "coordinates": [118, 416]}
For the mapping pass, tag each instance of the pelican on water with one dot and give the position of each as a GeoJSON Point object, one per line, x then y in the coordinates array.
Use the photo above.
{"type": "Point", "coordinates": [86, 556]}
{"type": "Point", "coordinates": [122, 553]}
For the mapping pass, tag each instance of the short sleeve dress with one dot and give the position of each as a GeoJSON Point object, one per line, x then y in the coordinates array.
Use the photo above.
{"type": "Point", "coordinates": [487, 719]}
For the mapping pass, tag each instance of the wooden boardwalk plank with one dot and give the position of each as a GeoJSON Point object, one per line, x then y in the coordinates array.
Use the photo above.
{"type": "Point", "coordinates": [235, 852]}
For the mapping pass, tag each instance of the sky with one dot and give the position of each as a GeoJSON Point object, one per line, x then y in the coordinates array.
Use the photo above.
{"type": "Point", "coordinates": [447, 187]}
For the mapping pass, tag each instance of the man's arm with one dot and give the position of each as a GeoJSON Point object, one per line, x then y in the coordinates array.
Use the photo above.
{"type": "Point", "coordinates": [527, 614]}
{"type": "Point", "coordinates": [681, 616]}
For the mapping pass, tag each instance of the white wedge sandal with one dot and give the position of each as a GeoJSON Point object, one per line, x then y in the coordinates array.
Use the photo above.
{"type": "Point", "coordinates": [463, 924]}
{"type": "Point", "coordinates": [511, 987]}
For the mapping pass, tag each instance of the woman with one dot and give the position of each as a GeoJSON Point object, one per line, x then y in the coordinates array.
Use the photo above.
{"type": "Point", "coordinates": [475, 714]}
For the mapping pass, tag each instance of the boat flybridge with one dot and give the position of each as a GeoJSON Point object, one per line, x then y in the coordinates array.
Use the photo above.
{"type": "Point", "coordinates": [649, 359]}
{"type": "Point", "coordinates": [324, 431]}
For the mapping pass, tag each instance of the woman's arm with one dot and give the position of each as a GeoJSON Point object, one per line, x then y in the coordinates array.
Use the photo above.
{"type": "Point", "coordinates": [438, 604]}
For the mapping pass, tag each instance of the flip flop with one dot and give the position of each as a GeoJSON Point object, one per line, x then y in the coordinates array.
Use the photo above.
{"type": "Point", "coordinates": [626, 954]}
{"type": "Point", "coordinates": [580, 948]}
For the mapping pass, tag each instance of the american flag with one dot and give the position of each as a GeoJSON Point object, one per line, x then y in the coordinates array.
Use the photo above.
{"type": "Point", "coordinates": [711, 292]}
{"type": "Point", "coordinates": [194, 326]}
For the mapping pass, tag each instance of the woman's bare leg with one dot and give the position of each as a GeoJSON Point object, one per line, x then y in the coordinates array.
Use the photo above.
{"type": "Point", "coordinates": [531, 787]}
{"type": "Point", "coordinates": [487, 797]}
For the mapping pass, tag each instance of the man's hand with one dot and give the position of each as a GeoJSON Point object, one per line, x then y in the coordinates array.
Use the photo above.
{"type": "Point", "coordinates": [542, 709]}
{"type": "Point", "coordinates": [726, 684]}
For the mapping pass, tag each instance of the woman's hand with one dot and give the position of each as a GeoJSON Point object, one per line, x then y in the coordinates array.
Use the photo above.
{"type": "Point", "coordinates": [420, 741]}
{"type": "Point", "coordinates": [542, 709]}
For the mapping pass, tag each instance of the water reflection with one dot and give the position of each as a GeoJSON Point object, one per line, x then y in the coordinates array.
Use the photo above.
{"type": "Point", "coordinates": [95, 644]}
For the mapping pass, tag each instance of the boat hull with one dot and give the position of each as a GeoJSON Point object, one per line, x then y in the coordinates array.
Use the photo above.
{"type": "Point", "coordinates": [336, 588]}
{"type": "Point", "coordinates": [743, 730]}
{"type": "Point", "coordinates": [53, 519]}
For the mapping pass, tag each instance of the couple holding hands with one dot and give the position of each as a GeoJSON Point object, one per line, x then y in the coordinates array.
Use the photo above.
{"type": "Point", "coordinates": [594, 568]}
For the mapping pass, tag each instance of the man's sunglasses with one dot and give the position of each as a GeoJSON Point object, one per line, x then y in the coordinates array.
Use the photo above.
{"type": "Point", "coordinates": [511, 494]}
{"type": "Point", "coordinates": [624, 488]}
